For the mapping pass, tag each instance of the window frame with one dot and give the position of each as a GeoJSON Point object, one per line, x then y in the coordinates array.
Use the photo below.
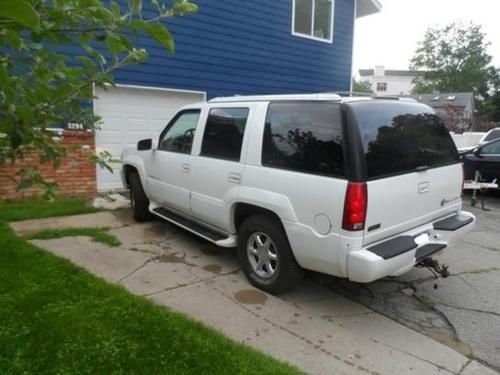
{"type": "Point", "coordinates": [238, 160]}
{"type": "Point", "coordinates": [172, 122]}
{"type": "Point", "coordinates": [312, 37]}
{"type": "Point", "coordinates": [343, 130]}
{"type": "Point", "coordinates": [385, 85]}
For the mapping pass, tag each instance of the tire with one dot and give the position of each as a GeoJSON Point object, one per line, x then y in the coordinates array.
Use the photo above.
{"type": "Point", "coordinates": [138, 199]}
{"type": "Point", "coordinates": [272, 268]}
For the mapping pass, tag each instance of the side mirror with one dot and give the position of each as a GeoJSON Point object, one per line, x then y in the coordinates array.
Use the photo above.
{"type": "Point", "coordinates": [477, 152]}
{"type": "Point", "coordinates": [145, 144]}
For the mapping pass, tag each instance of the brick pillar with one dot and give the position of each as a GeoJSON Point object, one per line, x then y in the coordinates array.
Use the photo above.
{"type": "Point", "coordinates": [76, 175]}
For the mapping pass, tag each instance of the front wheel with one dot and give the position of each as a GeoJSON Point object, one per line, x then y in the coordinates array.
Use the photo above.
{"type": "Point", "coordinates": [138, 199]}
{"type": "Point", "coordinates": [266, 256]}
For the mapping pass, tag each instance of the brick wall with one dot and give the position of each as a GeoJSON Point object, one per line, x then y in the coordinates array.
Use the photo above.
{"type": "Point", "coordinates": [75, 177]}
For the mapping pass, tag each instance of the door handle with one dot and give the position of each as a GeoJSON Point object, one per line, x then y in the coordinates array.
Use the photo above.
{"type": "Point", "coordinates": [185, 167]}
{"type": "Point", "coordinates": [235, 178]}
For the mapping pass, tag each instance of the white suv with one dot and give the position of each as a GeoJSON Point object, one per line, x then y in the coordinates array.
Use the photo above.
{"type": "Point", "coordinates": [360, 188]}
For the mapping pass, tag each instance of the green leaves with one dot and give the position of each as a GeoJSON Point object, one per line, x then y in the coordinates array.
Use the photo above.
{"type": "Point", "coordinates": [21, 12]}
{"type": "Point", "coordinates": [157, 31]}
{"type": "Point", "coordinates": [453, 59]}
{"type": "Point", "coordinates": [43, 87]}
{"type": "Point", "coordinates": [160, 33]}
{"type": "Point", "coordinates": [184, 6]}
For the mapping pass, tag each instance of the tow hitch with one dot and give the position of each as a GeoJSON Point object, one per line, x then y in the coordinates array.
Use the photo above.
{"type": "Point", "coordinates": [435, 268]}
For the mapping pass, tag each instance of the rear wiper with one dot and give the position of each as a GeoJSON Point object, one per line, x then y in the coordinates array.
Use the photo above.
{"type": "Point", "coordinates": [421, 168]}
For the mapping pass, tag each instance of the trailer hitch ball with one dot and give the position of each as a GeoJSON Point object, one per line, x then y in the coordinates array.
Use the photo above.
{"type": "Point", "coordinates": [433, 265]}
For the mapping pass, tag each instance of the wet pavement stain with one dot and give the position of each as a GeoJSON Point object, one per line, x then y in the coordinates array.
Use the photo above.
{"type": "Point", "coordinates": [174, 258]}
{"type": "Point", "coordinates": [445, 337]}
{"type": "Point", "coordinates": [211, 250]}
{"type": "Point", "coordinates": [214, 268]}
{"type": "Point", "coordinates": [155, 231]}
{"type": "Point", "coordinates": [124, 216]}
{"type": "Point", "coordinates": [250, 297]}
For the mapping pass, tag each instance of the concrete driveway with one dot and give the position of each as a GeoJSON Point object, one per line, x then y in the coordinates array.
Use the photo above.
{"type": "Point", "coordinates": [462, 311]}
{"type": "Point", "coordinates": [315, 326]}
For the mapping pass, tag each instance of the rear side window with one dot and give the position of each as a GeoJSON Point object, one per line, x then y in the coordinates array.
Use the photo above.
{"type": "Point", "coordinates": [224, 131]}
{"type": "Point", "coordinates": [399, 137]}
{"type": "Point", "coordinates": [304, 137]}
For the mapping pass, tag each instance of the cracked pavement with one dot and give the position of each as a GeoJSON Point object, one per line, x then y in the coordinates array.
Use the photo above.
{"type": "Point", "coordinates": [325, 325]}
{"type": "Point", "coordinates": [463, 312]}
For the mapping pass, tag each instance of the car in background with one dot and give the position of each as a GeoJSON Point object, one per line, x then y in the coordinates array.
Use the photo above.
{"type": "Point", "coordinates": [485, 159]}
{"type": "Point", "coordinates": [490, 136]}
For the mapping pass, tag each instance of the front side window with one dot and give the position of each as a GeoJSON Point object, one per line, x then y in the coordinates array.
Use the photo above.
{"type": "Point", "coordinates": [224, 132]}
{"type": "Point", "coordinates": [491, 149]}
{"type": "Point", "coordinates": [313, 19]}
{"type": "Point", "coordinates": [304, 137]}
{"type": "Point", "coordinates": [179, 134]}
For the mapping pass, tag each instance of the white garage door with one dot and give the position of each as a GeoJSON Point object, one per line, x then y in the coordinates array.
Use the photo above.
{"type": "Point", "coordinates": [130, 114]}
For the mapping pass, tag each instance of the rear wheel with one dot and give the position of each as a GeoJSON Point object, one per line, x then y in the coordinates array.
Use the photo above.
{"type": "Point", "coordinates": [266, 256]}
{"type": "Point", "coordinates": [138, 199]}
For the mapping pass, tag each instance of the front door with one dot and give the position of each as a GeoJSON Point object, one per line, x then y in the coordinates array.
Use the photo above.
{"type": "Point", "coordinates": [169, 168]}
{"type": "Point", "coordinates": [489, 161]}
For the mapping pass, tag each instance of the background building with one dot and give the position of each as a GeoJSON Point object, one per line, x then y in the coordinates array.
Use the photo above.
{"type": "Point", "coordinates": [388, 82]}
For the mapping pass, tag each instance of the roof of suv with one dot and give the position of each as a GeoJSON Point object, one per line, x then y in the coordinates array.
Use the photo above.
{"type": "Point", "coordinates": [306, 97]}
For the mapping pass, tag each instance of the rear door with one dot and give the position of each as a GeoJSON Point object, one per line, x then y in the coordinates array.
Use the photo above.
{"type": "Point", "coordinates": [412, 166]}
{"type": "Point", "coordinates": [217, 171]}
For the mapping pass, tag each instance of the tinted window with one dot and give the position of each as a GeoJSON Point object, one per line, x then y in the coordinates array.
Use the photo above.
{"type": "Point", "coordinates": [304, 137]}
{"type": "Point", "coordinates": [494, 134]}
{"type": "Point", "coordinates": [224, 133]}
{"type": "Point", "coordinates": [491, 149]}
{"type": "Point", "coordinates": [398, 137]}
{"type": "Point", "coordinates": [179, 134]}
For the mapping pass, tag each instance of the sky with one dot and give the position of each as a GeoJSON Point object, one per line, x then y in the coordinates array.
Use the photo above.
{"type": "Point", "coordinates": [390, 37]}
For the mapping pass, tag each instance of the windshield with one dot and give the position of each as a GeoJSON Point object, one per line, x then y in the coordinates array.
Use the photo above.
{"type": "Point", "coordinates": [400, 137]}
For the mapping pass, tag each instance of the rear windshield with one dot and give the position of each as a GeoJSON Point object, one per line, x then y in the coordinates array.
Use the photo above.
{"type": "Point", "coordinates": [493, 134]}
{"type": "Point", "coordinates": [399, 137]}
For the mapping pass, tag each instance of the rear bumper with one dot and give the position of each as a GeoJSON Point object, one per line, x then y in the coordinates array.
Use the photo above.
{"type": "Point", "coordinates": [399, 254]}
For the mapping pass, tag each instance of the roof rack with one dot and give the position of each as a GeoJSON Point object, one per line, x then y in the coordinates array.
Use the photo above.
{"type": "Point", "coordinates": [264, 98]}
{"type": "Point", "coordinates": [325, 96]}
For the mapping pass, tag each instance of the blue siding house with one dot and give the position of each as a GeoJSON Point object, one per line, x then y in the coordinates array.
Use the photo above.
{"type": "Point", "coordinates": [230, 47]}
{"type": "Point", "coordinates": [250, 47]}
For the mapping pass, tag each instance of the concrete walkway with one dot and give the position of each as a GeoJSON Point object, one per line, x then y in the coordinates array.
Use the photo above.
{"type": "Point", "coordinates": [312, 327]}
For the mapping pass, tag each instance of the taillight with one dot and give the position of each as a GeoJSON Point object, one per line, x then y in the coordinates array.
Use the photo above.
{"type": "Point", "coordinates": [356, 200]}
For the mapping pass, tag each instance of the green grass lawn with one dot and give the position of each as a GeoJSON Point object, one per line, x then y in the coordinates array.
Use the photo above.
{"type": "Point", "coordinates": [97, 234]}
{"type": "Point", "coordinates": [58, 318]}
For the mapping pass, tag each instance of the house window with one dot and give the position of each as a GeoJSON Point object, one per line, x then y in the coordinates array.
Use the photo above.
{"type": "Point", "coordinates": [313, 19]}
{"type": "Point", "coordinates": [381, 86]}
